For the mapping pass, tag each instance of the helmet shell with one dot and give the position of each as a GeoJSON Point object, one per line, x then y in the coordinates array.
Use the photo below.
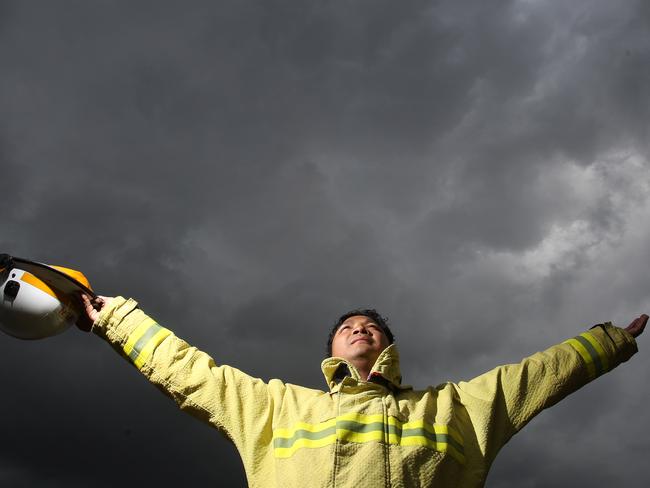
{"type": "Point", "coordinates": [30, 309]}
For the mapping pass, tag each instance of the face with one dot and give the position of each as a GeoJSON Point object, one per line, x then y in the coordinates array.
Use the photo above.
{"type": "Point", "coordinates": [359, 337]}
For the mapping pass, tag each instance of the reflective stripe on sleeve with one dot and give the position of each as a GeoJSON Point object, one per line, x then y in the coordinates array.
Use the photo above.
{"type": "Point", "coordinates": [143, 341]}
{"type": "Point", "coordinates": [598, 349]}
{"type": "Point", "coordinates": [591, 352]}
{"type": "Point", "coordinates": [361, 429]}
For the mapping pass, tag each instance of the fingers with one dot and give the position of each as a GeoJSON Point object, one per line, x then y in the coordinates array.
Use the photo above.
{"type": "Point", "coordinates": [641, 323]}
{"type": "Point", "coordinates": [97, 303]}
{"type": "Point", "coordinates": [637, 326]}
{"type": "Point", "coordinates": [86, 318]}
{"type": "Point", "coordinates": [94, 303]}
{"type": "Point", "coordinates": [100, 302]}
{"type": "Point", "coordinates": [90, 308]}
{"type": "Point", "coordinates": [85, 300]}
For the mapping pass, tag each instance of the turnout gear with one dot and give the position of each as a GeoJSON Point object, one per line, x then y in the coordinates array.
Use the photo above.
{"type": "Point", "coordinates": [373, 432]}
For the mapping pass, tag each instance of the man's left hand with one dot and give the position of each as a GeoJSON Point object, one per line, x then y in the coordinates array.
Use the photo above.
{"type": "Point", "coordinates": [637, 325]}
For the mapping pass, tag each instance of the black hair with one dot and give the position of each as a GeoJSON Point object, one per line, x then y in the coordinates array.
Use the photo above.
{"type": "Point", "coordinates": [371, 313]}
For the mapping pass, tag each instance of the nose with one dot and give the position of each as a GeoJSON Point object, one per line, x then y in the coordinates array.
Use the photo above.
{"type": "Point", "coordinates": [360, 329]}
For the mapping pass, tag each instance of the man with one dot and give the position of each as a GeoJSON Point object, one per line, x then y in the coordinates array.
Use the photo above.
{"type": "Point", "coordinates": [368, 430]}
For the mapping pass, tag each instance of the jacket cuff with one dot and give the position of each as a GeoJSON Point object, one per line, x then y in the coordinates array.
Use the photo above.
{"type": "Point", "coordinates": [110, 324]}
{"type": "Point", "coordinates": [618, 342]}
{"type": "Point", "coordinates": [602, 348]}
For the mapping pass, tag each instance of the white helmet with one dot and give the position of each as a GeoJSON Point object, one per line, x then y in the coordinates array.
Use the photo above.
{"type": "Point", "coordinates": [38, 300]}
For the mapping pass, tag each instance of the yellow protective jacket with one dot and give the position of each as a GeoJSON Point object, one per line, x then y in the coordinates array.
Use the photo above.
{"type": "Point", "coordinates": [376, 433]}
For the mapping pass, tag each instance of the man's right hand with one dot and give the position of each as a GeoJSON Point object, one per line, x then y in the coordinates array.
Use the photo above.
{"type": "Point", "coordinates": [91, 308]}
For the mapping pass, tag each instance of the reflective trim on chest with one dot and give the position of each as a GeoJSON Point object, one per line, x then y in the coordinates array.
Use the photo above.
{"type": "Point", "coordinates": [359, 428]}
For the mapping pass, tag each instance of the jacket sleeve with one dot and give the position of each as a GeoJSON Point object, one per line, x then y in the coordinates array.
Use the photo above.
{"type": "Point", "coordinates": [502, 401]}
{"type": "Point", "coordinates": [238, 405]}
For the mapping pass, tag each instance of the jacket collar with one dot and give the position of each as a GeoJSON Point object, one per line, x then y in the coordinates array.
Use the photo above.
{"type": "Point", "coordinates": [386, 367]}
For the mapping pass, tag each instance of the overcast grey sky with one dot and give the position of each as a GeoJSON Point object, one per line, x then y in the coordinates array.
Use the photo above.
{"type": "Point", "coordinates": [249, 170]}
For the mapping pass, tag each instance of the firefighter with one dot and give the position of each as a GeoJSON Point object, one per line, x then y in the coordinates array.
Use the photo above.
{"type": "Point", "coordinates": [367, 429]}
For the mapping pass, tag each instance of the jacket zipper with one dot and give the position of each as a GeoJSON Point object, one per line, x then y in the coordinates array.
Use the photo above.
{"type": "Point", "coordinates": [336, 444]}
{"type": "Point", "coordinates": [387, 482]}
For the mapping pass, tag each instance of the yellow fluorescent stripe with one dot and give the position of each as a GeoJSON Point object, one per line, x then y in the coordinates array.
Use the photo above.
{"type": "Point", "coordinates": [363, 419]}
{"type": "Point", "coordinates": [354, 417]}
{"type": "Point", "coordinates": [348, 435]}
{"type": "Point", "coordinates": [437, 446]}
{"type": "Point", "coordinates": [414, 441]}
{"type": "Point", "coordinates": [136, 334]}
{"type": "Point", "coordinates": [445, 429]}
{"type": "Point", "coordinates": [367, 419]}
{"type": "Point", "coordinates": [434, 429]}
{"type": "Point", "coordinates": [423, 441]}
{"type": "Point", "coordinates": [288, 433]}
{"type": "Point", "coordinates": [285, 452]}
{"type": "Point", "coordinates": [151, 345]}
{"type": "Point", "coordinates": [393, 438]}
{"type": "Point", "coordinates": [394, 421]}
{"type": "Point", "coordinates": [599, 349]}
{"type": "Point", "coordinates": [376, 435]}
{"type": "Point", "coordinates": [585, 355]}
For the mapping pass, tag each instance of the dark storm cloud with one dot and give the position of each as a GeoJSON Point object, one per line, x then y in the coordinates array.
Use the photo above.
{"type": "Point", "coordinates": [250, 170]}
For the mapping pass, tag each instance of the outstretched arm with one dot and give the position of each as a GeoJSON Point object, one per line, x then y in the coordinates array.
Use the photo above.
{"type": "Point", "coordinates": [500, 402]}
{"type": "Point", "coordinates": [237, 404]}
